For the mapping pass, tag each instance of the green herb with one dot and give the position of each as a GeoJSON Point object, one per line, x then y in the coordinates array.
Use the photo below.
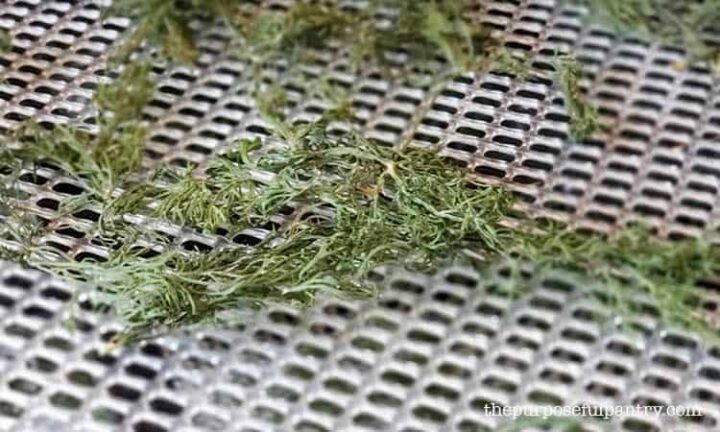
{"type": "Point", "coordinates": [583, 115]}
{"type": "Point", "coordinates": [22, 230]}
{"type": "Point", "coordinates": [630, 262]}
{"type": "Point", "coordinates": [348, 204]}
{"type": "Point", "coordinates": [122, 101]}
{"type": "Point", "coordinates": [516, 66]}
{"type": "Point", "coordinates": [689, 25]}
{"type": "Point", "coordinates": [105, 160]}
{"type": "Point", "coordinates": [421, 29]}
{"type": "Point", "coordinates": [567, 73]}
{"type": "Point", "coordinates": [167, 24]}
{"type": "Point", "coordinates": [352, 205]}
{"type": "Point", "coordinates": [5, 41]}
{"type": "Point", "coordinates": [356, 204]}
{"type": "Point", "coordinates": [555, 423]}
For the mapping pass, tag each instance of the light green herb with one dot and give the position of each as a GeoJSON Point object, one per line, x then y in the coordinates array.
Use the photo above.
{"type": "Point", "coordinates": [105, 160]}
{"type": "Point", "coordinates": [352, 205]}
{"type": "Point", "coordinates": [5, 41]}
{"type": "Point", "coordinates": [356, 205]}
{"type": "Point", "coordinates": [555, 423]}
{"type": "Point", "coordinates": [421, 28]}
{"type": "Point", "coordinates": [167, 24]}
{"type": "Point", "coordinates": [686, 24]}
{"type": "Point", "coordinates": [583, 115]}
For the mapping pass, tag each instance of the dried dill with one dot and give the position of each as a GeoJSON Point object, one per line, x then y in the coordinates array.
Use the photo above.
{"type": "Point", "coordinates": [357, 204]}
{"type": "Point", "coordinates": [686, 24]}
{"type": "Point", "coordinates": [103, 160]}
{"type": "Point", "coordinates": [167, 24]}
{"type": "Point", "coordinates": [351, 205]}
{"type": "Point", "coordinates": [583, 115]}
{"type": "Point", "coordinates": [5, 41]}
{"type": "Point", "coordinates": [421, 30]}
{"type": "Point", "coordinates": [518, 67]}
{"type": "Point", "coordinates": [19, 233]}
{"type": "Point", "coordinates": [394, 35]}
{"type": "Point", "coordinates": [629, 262]}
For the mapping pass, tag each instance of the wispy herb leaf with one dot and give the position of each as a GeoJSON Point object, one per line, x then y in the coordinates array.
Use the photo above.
{"type": "Point", "coordinates": [688, 25]}
{"type": "Point", "coordinates": [583, 115]}
{"type": "Point", "coordinates": [5, 41]}
{"type": "Point", "coordinates": [351, 205]}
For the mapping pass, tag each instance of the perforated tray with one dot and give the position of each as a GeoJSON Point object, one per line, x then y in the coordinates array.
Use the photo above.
{"type": "Point", "coordinates": [433, 350]}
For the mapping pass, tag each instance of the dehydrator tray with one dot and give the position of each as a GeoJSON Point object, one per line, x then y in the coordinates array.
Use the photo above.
{"type": "Point", "coordinates": [432, 350]}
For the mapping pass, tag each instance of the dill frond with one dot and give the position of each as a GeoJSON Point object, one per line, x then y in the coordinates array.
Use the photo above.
{"type": "Point", "coordinates": [509, 64]}
{"type": "Point", "coordinates": [355, 205]}
{"type": "Point", "coordinates": [583, 115]}
{"type": "Point", "coordinates": [422, 30]}
{"type": "Point", "coordinates": [167, 24]}
{"type": "Point", "coordinates": [566, 75]}
{"type": "Point", "coordinates": [630, 262]}
{"type": "Point", "coordinates": [64, 147]}
{"type": "Point", "coordinates": [105, 160]}
{"type": "Point", "coordinates": [439, 25]}
{"type": "Point", "coordinates": [19, 233]}
{"type": "Point", "coordinates": [683, 24]}
{"type": "Point", "coordinates": [5, 41]}
{"type": "Point", "coordinates": [351, 204]}
{"type": "Point", "coordinates": [302, 26]}
{"type": "Point", "coordinates": [123, 100]}
{"type": "Point", "coordinates": [19, 229]}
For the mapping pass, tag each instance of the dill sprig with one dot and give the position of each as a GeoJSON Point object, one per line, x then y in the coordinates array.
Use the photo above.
{"type": "Point", "coordinates": [566, 75]}
{"type": "Point", "coordinates": [167, 24]}
{"type": "Point", "coordinates": [103, 160]}
{"type": "Point", "coordinates": [352, 204]}
{"type": "Point", "coordinates": [394, 35]}
{"type": "Point", "coordinates": [583, 115]}
{"type": "Point", "coordinates": [422, 29]}
{"type": "Point", "coordinates": [5, 41]}
{"type": "Point", "coordinates": [630, 262]}
{"type": "Point", "coordinates": [19, 233]}
{"type": "Point", "coordinates": [357, 205]}
{"type": "Point", "coordinates": [683, 24]}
